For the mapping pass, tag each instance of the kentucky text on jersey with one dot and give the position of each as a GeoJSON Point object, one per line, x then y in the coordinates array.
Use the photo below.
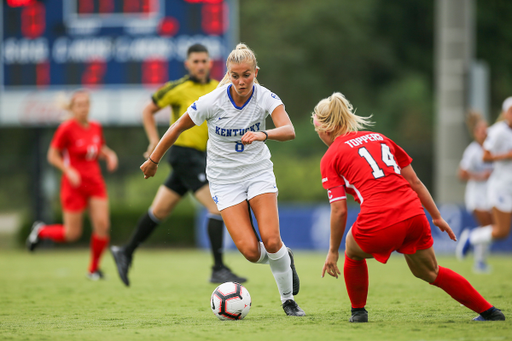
{"type": "Point", "coordinates": [364, 139]}
{"type": "Point", "coordinates": [234, 132]}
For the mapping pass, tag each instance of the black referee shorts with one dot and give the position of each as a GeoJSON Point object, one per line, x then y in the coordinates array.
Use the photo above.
{"type": "Point", "coordinates": [188, 170]}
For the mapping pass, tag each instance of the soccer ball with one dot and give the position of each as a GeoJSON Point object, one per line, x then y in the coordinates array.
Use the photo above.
{"type": "Point", "coordinates": [230, 301]}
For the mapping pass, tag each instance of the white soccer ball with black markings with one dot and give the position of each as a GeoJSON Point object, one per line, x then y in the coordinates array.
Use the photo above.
{"type": "Point", "coordinates": [230, 301]}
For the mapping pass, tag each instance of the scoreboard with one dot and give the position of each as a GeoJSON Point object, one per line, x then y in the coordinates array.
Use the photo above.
{"type": "Point", "coordinates": [119, 49]}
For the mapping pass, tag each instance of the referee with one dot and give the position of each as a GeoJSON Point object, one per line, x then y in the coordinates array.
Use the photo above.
{"type": "Point", "coordinates": [188, 161]}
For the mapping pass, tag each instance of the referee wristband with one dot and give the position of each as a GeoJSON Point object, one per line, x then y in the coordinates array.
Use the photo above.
{"type": "Point", "coordinates": [266, 135]}
{"type": "Point", "coordinates": [156, 163]}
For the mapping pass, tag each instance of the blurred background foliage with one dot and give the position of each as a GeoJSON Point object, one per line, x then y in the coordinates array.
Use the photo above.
{"type": "Point", "coordinates": [379, 53]}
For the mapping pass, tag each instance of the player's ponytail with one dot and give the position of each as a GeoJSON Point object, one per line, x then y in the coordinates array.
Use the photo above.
{"type": "Point", "coordinates": [66, 103]}
{"type": "Point", "coordinates": [242, 53]}
{"type": "Point", "coordinates": [473, 119]}
{"type": "Point", "coordinates": [507, 103]}
{"type": "Point", "coordinates": [63, 102]}
{"type": "Point", "coordinates": [335, 115]}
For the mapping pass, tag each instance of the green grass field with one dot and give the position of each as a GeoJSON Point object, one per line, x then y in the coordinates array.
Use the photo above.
{"type": "Point", "coordinates": [45, 296]}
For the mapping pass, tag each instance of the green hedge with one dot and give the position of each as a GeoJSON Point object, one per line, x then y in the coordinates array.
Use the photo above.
{"type": "Point", "coordinates": [176, 231]}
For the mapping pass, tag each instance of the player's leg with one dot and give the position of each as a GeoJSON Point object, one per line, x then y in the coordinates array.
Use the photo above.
{"type": "Point", "coordinates": [500, 198]}
{"type": "Point", "coordinates": [73, 203]}
{"type": "Point", "coordinates": [423, 264]}
{"type": "Point", "coordinates": [280, 257]}
{"type": "Point", "coordinates": [484, 218]}
{"type": "Point", "coordinates": [486, 234]}
{"type": "Point", "coordinates": [238, 223]}
{"type": "Point", "coordinates": [69, 231]}
{"type": "Point", "coordinates": [503, 221]}
{"type": "Point", "coordinates": [100, 237]}
{"type": "Point", "coordinates": [163, 204]}
{"type": "Point", "coordinates": [40, 231]}
{"type": "Point", "coordinates": [355, 272]}
{"type": "Point", "coordinates": [220, 272]}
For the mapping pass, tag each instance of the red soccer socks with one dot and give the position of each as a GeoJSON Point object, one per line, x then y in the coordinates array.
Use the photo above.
{"type": "Point", "coordinates": [54, 232]}
{"type": "Point", "coordinates": [461, 290]}
{"type": "Point", "coordinates": [356, 280]}
{"type": "Point", "coordinates": [98, 245]}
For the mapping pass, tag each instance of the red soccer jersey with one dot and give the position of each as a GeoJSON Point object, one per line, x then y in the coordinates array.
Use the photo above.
{"type": "Point", "coordinates": [368, 164]}
{"type": "Point", "coordinates": [80, 146]}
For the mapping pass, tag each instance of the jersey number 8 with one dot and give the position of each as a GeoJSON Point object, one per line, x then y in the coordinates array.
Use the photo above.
{"type": "Point", "coordinates": [239, 147]}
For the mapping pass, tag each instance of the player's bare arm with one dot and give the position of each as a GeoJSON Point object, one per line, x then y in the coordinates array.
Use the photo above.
{"type": "Point", "coordinates": [426, 200]}
{"type": "Point", "coordinates": [148, 120]}
{"type": "Point", "coordinates": [489, 157]}
{"type": "Point", "coordinates": [150, 167]}
{"type": "Point", "coordinates": [55, 159]}
{"type": "Point", "coordinates": [465, 175]}
{"type": "Point", "coordinates": [338, 223]}
{"type": "Point", "coordinates": [283, 130]}
{"type": "Point", "coordinates": [110, 157]}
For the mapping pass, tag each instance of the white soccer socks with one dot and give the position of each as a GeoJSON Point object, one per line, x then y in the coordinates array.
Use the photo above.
{"type": "Point", "coordinates": [263, 255]}
{"type": "Point", "coordinates": [481, 235]}
{"type": "Point", "coordinates": [280, 266]}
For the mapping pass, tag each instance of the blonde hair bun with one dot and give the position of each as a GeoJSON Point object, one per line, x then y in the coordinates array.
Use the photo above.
{"type": "Point", "coordinates": [242, 53]}
{"type": "Point", "coordinates": [335, 115]}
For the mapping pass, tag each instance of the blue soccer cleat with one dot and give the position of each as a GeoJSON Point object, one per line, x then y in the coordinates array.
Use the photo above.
{"type": "Point", "coordinates": [464, 245]}
{"type": "Point", "coordinates": [481, 267]}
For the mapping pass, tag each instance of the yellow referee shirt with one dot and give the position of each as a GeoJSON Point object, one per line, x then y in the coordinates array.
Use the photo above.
{"type": "Point", "coordinates": [180, 95]}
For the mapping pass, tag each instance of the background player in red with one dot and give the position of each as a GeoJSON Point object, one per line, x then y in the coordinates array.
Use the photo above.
{"type": "Point", "coordinates": [75, 149]}
{"type": "Point", "coordinates": [378, 173]}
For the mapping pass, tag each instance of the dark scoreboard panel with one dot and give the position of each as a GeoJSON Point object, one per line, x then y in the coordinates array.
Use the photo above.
{"type": "Point", "coordinates": [104, 43]}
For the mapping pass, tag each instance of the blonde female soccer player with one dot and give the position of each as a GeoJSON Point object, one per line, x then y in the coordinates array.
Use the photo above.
{"type": "Point", "coordinates": [378, 173]}
{"type": "Point", "coordinates": [238, 164]}
{"type": "Point", "coordinates": [476, 171]}
{"type": "Point", "coordinates": [497, 149]}
{"type": "Point", "coordinates": [75, 149]}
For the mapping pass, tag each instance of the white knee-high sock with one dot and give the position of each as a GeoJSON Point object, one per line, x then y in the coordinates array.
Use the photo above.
{"type": "Point", "coordinates": [481, 251]}
{"type": "Point", "coordinates": [263, 255]}
{"type": "Point", "coordinates": [481, 235]}
{"type": "Point", "coordinates": [280, 266]}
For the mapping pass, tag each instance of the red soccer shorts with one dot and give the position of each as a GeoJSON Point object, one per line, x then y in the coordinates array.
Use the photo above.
{"type": "Point", "coordinates": [76, 199]}
{"type": "Point", "coordinates": [406, 237]}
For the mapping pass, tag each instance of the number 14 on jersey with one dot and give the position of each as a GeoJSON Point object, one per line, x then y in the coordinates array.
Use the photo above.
{"type": "Point", "coordinates": [386, 156]}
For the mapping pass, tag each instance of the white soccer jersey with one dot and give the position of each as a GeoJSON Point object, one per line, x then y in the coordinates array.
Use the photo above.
{"type": "Point", "coordinates": [472, 159]}
{"type": "Point", "coordinates": [228, 160]}
{"type": "Point", "coordinates": [476, 191]}
{"type": "Point", "coordinates": [499, 141]}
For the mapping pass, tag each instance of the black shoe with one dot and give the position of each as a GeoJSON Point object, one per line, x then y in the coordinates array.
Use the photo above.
{"type": "Point", "coordinates": [359, 315]}
{"type": "Point", "coordinates": [493, 314]}
{"type": "Point", "coordinates": [123, 263]}
{"type": "Point", "coordinates": [296, 280]}
{"type": "Point", "coordinates": [96, 275]}
{"type": "Point", "coordinates": [33, 238]}
{"type": "Point", "coordinates": [291, 308]}
{"type": "Point", "coordinates": [224, 274]}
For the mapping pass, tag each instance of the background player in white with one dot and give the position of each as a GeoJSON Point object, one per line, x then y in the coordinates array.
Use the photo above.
{"type": "Point", "coordinates": [238, 165]}
{"type": "Point", "coordinates": [497, 149]}
{"type": "Point", "coordinates": [475, 171]}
